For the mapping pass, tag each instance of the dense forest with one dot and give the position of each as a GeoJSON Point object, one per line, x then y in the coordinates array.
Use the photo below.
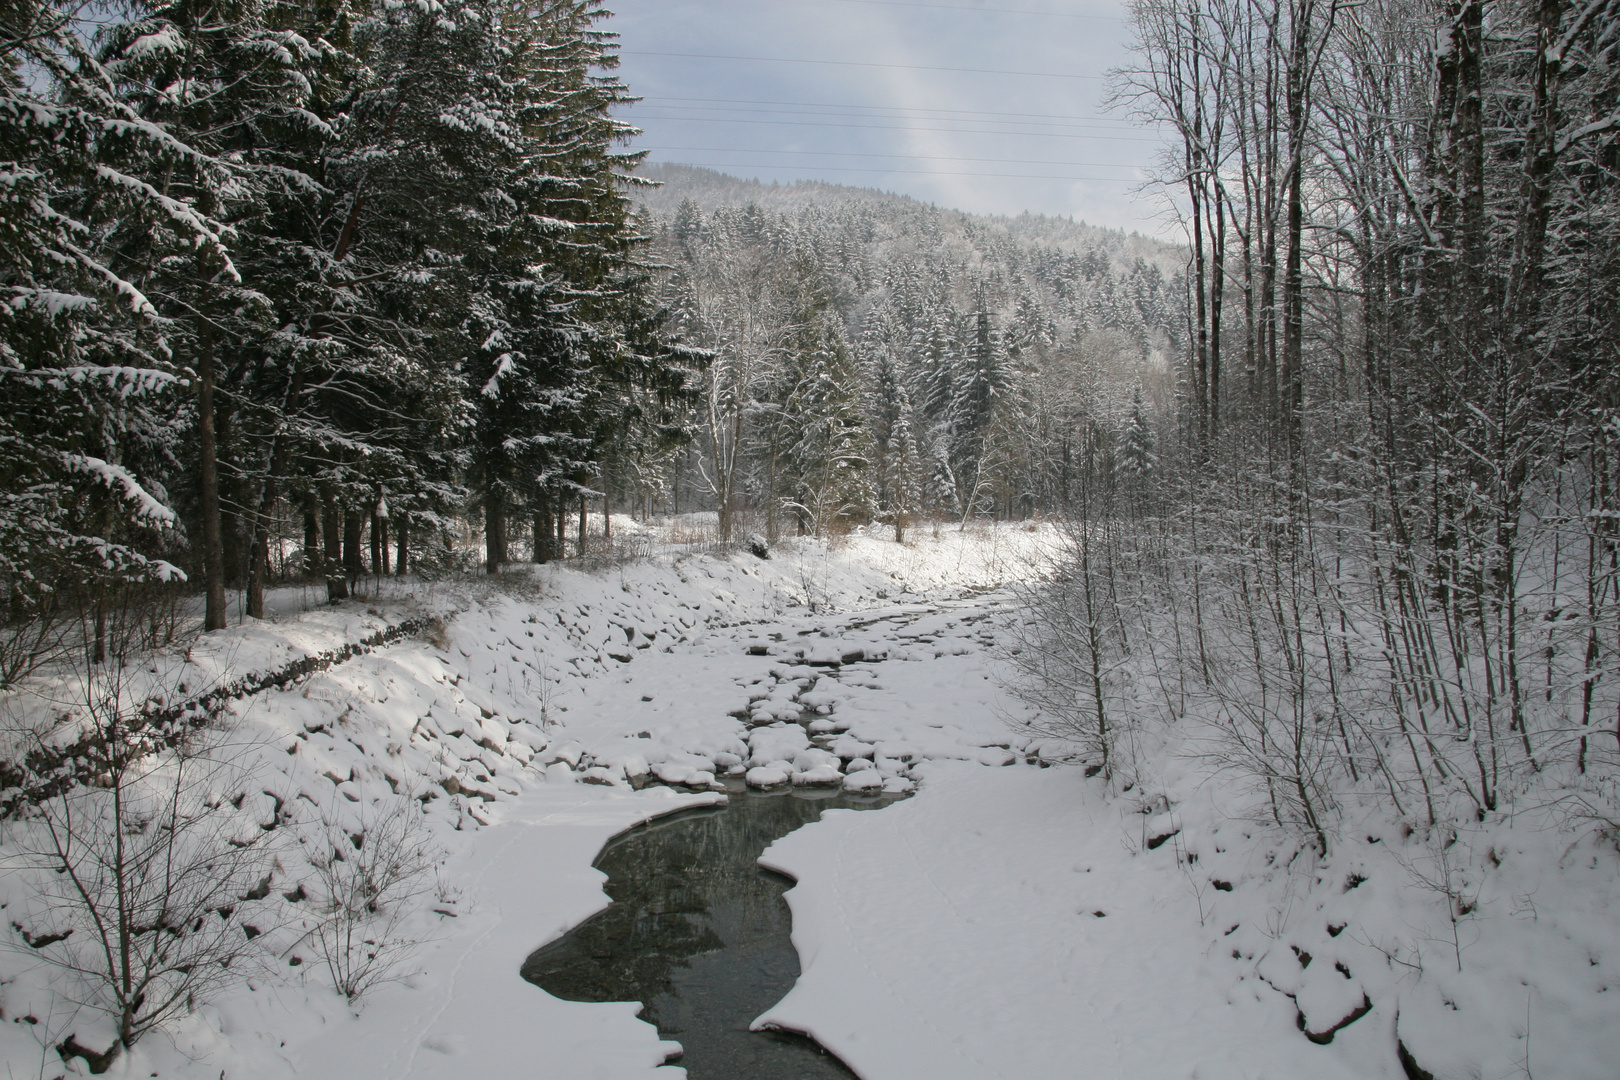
{"type": "Point", "coordinates": [364, 269]}
{"type": "Point", "coordinates": [315, 291]}
{"type": "Point", "coordinates": [1317, 541]}
{"type": "Point", "coordinates": [878, 359]}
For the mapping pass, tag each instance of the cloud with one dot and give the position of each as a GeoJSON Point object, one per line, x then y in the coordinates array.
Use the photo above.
{"type": "Point", "coordinates": [923, 131]}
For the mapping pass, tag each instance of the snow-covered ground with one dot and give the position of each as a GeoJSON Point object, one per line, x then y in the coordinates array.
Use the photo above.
{"type": "Point", "coordinates": [1008, 920]}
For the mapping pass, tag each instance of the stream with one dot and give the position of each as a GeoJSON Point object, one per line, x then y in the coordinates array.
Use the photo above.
{"type": "Point", "coordinates": [699, 934]}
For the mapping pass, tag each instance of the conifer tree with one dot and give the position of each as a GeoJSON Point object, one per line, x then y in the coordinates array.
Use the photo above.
{"type": "Point", "coordinates": [91, 378]}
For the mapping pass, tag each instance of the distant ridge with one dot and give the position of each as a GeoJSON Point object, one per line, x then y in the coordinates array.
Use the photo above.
{"type": "Point", "coordinates": [712, 190]}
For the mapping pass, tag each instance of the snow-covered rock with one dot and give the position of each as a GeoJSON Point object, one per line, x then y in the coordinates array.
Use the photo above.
{"type": "Point", "coordinates": [776, 742]}
{"type": "Point", "coordinates": [768, 776]}
{"type": "Point", "coordinates": [863, 780]}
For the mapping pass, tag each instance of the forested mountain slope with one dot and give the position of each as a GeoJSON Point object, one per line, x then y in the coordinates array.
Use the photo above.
{"type": "Point", "coordinates": [712, 190]}
{"type": "Point", "coordinates": [879, 357]}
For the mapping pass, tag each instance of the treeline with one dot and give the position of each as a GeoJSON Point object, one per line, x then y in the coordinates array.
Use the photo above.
{"type": "Point", "coordinates": [365, 266]}
{"type": "Point", "coordinates": [1386, 559]}
{"type": "Point", "coordinates": [877, 359]}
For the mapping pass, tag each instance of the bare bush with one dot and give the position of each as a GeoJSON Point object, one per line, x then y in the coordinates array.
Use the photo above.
{"type": "Point", "coordinates": [368, 880]}
{"type": "Point", "coordinates": [1069, 651]}
{"type": "Point", "coordinates": [144, 887]}
{"type": "Point", "coordinates": [41, 626]}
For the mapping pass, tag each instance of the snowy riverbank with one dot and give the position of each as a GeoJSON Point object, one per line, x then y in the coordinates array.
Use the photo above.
{"type": "Point", "coordinates": [1008, 920]}
{"type": "Point", "coordinates": [512, 693]}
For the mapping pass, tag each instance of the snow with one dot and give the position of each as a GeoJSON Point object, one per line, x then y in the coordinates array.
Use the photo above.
{"type": "Point", "coordinates": [967, 917]}
{"type": "Point", "coordinates": [1008, 920]}
{"type": "Point", "coordinates": [122, 481]}
{"type": "Point", "coordinates": [768, 776]}
{"type": "Point", "coordinates": [470, 1013]}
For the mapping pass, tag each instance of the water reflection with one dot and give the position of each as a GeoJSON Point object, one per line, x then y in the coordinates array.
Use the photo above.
{"type": "Point", "coordinates": [699, 934]}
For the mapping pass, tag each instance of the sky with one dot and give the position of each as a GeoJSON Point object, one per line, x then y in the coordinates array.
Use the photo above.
{"type": "Point", "coordinates": [989, 106]}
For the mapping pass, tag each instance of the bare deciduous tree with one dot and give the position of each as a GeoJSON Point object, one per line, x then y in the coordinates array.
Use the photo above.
{"type": "Point", "coordinates": [145, 883]}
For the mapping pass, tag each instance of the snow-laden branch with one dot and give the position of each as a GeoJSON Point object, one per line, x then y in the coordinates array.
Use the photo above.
{"type": "Point", "coordinates": [123, 482]}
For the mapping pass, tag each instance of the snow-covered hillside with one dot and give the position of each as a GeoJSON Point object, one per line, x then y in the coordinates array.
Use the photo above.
{"type": "Point", "coordinates": [711, 190]}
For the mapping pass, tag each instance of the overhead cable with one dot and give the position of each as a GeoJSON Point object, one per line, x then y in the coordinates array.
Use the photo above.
{"type": "Point", "coordinates": [906, 157]}
{"type": "Point", "coordinates": [861, 63]}
{"type": "Point", "coordinates": [906, 127]}
{"type": "Point", "coordinates": [911, 172]}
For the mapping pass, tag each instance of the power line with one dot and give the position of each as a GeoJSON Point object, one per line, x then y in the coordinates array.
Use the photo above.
{"type": "Point", "coordinates": [979, 10]}
{"type": "Point", "coordinates": [962, 119]}
{"type": "Point", "coordinates": [903, 157]}
{"type": "Point", "coordinates": [885, 108]}
{"type": "Point", "coordinates": [861, 63]}
{"type": "Point", "coordinates": [893, 172]}
{"type": "Point", "coordinates": [905, 127]}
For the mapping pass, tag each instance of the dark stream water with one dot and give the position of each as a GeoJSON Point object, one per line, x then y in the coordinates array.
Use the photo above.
{"type": "Point", "coordinates": [698, 933]}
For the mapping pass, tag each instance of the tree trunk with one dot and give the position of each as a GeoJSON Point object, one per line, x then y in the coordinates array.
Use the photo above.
{"type": "Point", "coordinates": [332, 565]}
{"type": "Point", "coordinates": [542, 534]}
{"type": "Point", "coordinates": [259, 556]}
{"type": "Point", "coordinates": [354, 566]}
{"type": "Point", "coordinates": [494, 530]}
{"type": "Point", "coordinates": [378, 545]}
{"type": "Point", "coordinates": [1200, 372]}
{"type": "Point", "coordinates": [259, 564]}
{"type": "Point", "coordinates": [230, 497]}
{"type": "Point", "coordinates": [312, 541]}
{"type": "Point", "coordinates": [584, 516]}
{"type": "Point", "coordinates": [1297, 90]}
{"type": "Point", "coordinates": [213, 554]}
{"type": "Point", "coordinates": [1217, 300]}
{"type": "Point", "coordinates": [403, 531]}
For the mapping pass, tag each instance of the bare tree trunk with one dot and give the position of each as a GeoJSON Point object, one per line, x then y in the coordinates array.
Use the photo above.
{"type": "Point", "coordinates": [231, 496]}
{"type": "Point", "coordinates": [1200, 373]}
{"type": "Point", "coordinates": [403, 531]}
{"type": "Point", "coordinates": [1217, 298]}
{"type": "Point", "coordinates": [259, 556]}
{"type": "Point", "coordinates": [1292, 377]}
{"type": "Point", "coordinates": [259, 564]}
